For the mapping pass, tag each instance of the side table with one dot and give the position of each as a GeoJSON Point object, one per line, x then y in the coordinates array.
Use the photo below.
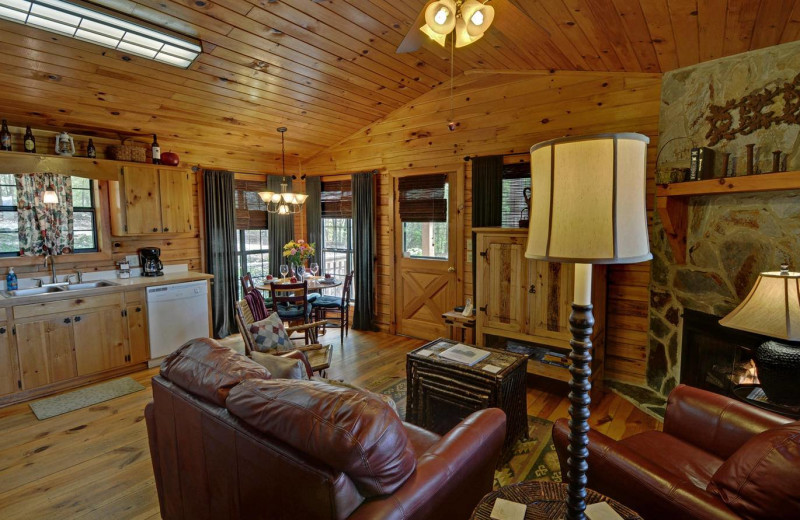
{"type": "Point", "coordinates": [442, 392]}
{"type": "Point", "coordinates": [544, 500]}
{"type": "Point", "coordinates": [455, 322]}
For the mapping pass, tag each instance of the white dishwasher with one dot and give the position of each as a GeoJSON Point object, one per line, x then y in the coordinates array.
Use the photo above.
{"type": "Point", "coordinates": [176, 313]}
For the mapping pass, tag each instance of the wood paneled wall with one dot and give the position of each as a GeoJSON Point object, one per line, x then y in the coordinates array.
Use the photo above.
{"type": "Point", "coordinates": [506, 114]}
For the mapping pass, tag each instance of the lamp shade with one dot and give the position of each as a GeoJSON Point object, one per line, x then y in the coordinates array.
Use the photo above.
{"type": "Point", "coordinates": [772, 308]}
{"type": "Point", "coordinates": [478, 17]}
{"type": "Point", "coordinates": [50, 197]}
{"type": "Point", "coordinates": [440, 16]}
{"type": "Point", "coordinates": [588, 200]}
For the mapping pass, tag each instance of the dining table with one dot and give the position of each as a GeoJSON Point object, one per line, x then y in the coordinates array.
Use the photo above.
{"type": "Point", "coordinates": [315, 283]}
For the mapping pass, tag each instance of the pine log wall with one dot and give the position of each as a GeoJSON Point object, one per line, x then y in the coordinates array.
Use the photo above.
{"type": "Point", "coordinates": [506, 114]}
{"type": "Point", "coordinates": [178, 249]}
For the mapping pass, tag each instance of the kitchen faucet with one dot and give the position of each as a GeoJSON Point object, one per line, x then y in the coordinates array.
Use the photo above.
{"type": "Point", "coordinates": [52, 267]}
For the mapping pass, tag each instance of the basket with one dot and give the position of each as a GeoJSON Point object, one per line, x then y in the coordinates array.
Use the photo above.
{"type": "Point", "coordinates": [129, 150]}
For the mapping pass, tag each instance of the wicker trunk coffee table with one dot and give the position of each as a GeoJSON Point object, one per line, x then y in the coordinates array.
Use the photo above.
{"type": "Point", "coordinates": [442, 392]}
{"type": "Point", "coordinates": [545, 500]}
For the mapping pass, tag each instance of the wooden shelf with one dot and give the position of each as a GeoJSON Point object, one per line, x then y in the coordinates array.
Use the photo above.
{"type": "Point", "coordinates": [101, 169]}
{"type": "Point", "coordinates": [672, 200]}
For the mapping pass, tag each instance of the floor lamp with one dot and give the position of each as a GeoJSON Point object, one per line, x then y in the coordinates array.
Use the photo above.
{"type": "Point", "coordinates": [587, 207]}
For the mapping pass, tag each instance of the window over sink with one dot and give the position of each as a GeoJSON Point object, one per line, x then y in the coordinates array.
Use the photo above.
{"type": "Point", "coordinates": [84, 225]}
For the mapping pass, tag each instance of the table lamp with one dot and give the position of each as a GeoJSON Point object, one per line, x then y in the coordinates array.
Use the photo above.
{"type": "Point", "coordinates": [773, 309]}
{"type": "Point", "coordinates": [588, 207]}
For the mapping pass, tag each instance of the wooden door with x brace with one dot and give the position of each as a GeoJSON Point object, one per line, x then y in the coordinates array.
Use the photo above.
{"type": "Point", "coordinates": [426, 241]}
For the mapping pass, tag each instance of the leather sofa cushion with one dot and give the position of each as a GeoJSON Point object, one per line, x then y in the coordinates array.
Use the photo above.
{"type": "Point", "coordinates": [760, 480]}
{"type": "Point", "coordinates": [209, 370]}
{"type": "Point", "coordinates": [349, 430]}
{"type": "Point", "coordinates": [679, 458]}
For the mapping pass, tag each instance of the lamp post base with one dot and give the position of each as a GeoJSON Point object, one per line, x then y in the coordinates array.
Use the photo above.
{"type": "Point", "coordinates": [581, 322]}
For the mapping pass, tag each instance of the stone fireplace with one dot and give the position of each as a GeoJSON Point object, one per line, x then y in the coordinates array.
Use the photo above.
{"type": "Point", "coordinates": [730, 238]}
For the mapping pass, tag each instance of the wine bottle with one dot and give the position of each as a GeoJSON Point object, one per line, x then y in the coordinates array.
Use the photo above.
{"type": "Point", "coordinates": [91, 152]}
{"type": "Point", "coordinates": [5, 137]}
{"type": "Point", "coordinates": [156, 151]}
{"type": "Point", "coordinates": [29, 141]}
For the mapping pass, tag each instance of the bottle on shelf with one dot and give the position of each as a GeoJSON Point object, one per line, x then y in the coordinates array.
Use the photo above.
{"type": "Point", "coordinates": [156, 151]}
{"type": "Point", "coordinates": [91, 152]}
{"type": "Point", "coordinates": [5, 137]}
{"type": "Point", "coordinates": [11, 280]}
{"type": "Point", "coordinates": [29, 141]}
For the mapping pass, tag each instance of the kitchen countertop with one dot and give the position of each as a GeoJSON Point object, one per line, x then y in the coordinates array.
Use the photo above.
{"type": "Point", "coordinates": [121, 285]}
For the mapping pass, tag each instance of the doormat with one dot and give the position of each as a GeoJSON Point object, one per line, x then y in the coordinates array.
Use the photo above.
{"type": "Point", "coordinates": [71, 401]}
{"type": "Point", "coordinates": [532, 459]}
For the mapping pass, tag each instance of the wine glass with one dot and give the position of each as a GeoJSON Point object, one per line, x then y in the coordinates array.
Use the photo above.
{"type": "Point", "coordinates": [284, 270]}
{"type": "Point", "coordinates": [314, 268]}
{"type": "Point", "coordinates": [301, 271]}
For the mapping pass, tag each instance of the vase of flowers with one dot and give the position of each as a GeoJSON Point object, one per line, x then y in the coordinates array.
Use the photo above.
{"type": "Point", "coordinates": [297, 252]}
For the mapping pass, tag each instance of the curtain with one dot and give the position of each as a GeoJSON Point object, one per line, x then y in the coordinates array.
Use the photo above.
{"type": "Point", "coordinates": [487, 196]}
{"type": "Point", "coordinates": [219, 193]}
{"type": "Point", "coordinates": [363, 187]}
{"type": "Point", "coordinates": [44, 228]}
{"type": "Point", "coordinates": [281, 227]}
{"type": "Point", "coordinates": [314, 214]}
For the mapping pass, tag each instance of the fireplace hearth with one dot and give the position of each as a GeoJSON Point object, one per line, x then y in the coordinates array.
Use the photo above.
{"type": "Point", "coordinates": [716, 358]}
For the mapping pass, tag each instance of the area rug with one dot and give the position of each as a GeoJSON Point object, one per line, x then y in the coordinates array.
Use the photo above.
{"type": "Point", "coordinates": [61, 404]}
{"type": "Point", "coordinates": [532, 459]}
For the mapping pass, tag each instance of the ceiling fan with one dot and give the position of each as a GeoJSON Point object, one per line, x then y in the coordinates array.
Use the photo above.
{"type": "Point", "coordinates": [468, 18]}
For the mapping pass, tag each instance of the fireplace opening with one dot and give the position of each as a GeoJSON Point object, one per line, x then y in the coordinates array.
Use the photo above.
{"type": "Point", "coordinates": [716, 358]}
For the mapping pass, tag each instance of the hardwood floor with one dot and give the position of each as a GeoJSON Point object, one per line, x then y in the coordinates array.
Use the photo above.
{"type": "Point", "coordinates": [94, 463]}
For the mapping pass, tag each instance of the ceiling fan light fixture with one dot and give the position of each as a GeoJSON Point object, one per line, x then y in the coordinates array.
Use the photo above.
{"type": "Point", "coordinates": [478, 17]}
{"type": "Point", "coordinates": [440, 17]}
{"type": "Point", "coordinates": [438, 38]}
{"type": "Point", "coordinates": [463, 37]}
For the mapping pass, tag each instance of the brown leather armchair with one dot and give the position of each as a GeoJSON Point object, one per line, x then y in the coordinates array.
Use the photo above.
{"type": "Point", "coordinates": [717, 458]}
{"type": "Point", "coordinates": [228, 442]}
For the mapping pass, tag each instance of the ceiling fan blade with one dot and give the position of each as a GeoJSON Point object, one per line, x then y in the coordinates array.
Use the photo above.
{"type": "Point", "coordinates": [414, 37]}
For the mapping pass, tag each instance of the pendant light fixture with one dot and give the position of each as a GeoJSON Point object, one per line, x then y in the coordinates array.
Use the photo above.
{"type": "Point", "coordinates": [283, 203]}
{"type": "Point", "coordinates": [469, 18]}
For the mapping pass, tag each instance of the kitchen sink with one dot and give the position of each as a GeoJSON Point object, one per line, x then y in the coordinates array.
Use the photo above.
{"type": "Point", "coordinates": [89, 285]}
{"type": "Point", "coordinates": [34, 291]}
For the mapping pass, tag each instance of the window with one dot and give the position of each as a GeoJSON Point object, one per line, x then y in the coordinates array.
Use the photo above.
{"type": "Point", "coordinates": [336, 249]}
{"type": "Point", "coordinates": [84, 216]}
{"type": "Point", "coordinates": [516, 177]}
{"type": "Point", "coordinates": [252, 236]}
{"type": "Point", "coordinates": [423, 208]}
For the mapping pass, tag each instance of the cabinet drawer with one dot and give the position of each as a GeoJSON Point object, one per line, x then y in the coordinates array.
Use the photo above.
{"type": "Point", "coordinates": [3, 314]}
{"type": "Point", "coordinates": [136, 296]}
{"type": "Point", "coordinates": [71, 305]}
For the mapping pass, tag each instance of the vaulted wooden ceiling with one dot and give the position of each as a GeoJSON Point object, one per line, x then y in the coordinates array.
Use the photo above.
{"type": "Point", "coordinates": [327, 68]}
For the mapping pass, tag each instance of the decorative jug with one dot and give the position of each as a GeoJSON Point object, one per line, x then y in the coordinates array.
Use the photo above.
{"type": "Point", "coordinates": [65, 145]}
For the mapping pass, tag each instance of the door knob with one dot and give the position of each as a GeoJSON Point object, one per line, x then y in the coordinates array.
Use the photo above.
{"type": "Point", "coordinates": [451, 269]}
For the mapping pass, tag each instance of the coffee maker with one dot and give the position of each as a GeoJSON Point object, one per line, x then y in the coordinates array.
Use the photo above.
{"type": "Point", "coordinates": [148, 259]}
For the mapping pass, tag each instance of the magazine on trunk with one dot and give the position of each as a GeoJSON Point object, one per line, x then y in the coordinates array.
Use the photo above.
{"type": "Point", "coordinates": [464, 354]}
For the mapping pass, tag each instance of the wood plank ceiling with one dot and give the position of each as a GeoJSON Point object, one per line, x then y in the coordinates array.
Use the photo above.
{"type": "Point", "coordinates": [327, 68]}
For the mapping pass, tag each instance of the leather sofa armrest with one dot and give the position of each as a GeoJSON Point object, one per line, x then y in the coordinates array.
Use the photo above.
{"type": "Point", "coordinates": [648, 489]}
{"type": "Point", "coordinates": [149, 418]}
{"type": "Point", "coordinates": [451, 476]}
{"type": "Point", "coordinates": [713, 422]}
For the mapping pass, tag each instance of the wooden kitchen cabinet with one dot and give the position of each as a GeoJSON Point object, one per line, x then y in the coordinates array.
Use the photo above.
{"type": "Point", "coordinates": [45, 348]}
{"type": "Point", "coordinates": [151, 200]}
{"type": "Point", "coordinates": [504, 271]}
{"type": "Point", "coordinates": [99, 340]}
{"type": "Point", "coordinates": [8, 362]}
{"type": "Point", "coordinates": [138, 349]}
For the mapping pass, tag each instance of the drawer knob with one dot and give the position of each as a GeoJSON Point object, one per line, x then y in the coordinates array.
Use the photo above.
{"type": "Point", "coordinates": [155, 230]}
{"type": "Point", "coordinates": [77, 318]}
{"type": "Point", "coordinates": [67, 320]}
{"type": "Point", "coordinates": [166, 229]}
{"type": "Point", "coordinates": [138, 309]}
{"type": "Point", "coordinates": [532, 289]}
{"type": "Point", "coordinates": [2, 330]}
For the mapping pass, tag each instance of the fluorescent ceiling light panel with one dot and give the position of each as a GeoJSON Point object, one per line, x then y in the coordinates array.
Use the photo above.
{"type": "Point", "coordinates": [102, 29]}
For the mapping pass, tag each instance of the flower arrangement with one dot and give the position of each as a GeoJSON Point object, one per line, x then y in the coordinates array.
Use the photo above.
{"type": "Point", "coordinates": [298, 251]}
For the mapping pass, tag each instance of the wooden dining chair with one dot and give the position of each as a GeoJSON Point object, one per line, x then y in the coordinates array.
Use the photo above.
{"type": "Point", "coordinates": [332, 309]}
{"type": "Point", "coordinates": [247, 283]}
{"type": "Point", "coordinates": [290, 301]}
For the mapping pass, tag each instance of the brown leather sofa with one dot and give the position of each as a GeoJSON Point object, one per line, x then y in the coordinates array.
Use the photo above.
{"type": "Point", "coordinates": [717, 458]}
{"type": "Point", "coordinates": [228, 442]}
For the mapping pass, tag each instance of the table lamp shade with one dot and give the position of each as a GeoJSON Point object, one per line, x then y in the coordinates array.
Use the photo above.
{"type": "Point", "coordinates": [772, 308]}
{"type": "Point", "coordinates": [588, 200]}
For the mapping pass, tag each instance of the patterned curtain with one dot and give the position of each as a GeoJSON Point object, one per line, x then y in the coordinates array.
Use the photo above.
{"type": "Point", "coordinates": [44, 228]}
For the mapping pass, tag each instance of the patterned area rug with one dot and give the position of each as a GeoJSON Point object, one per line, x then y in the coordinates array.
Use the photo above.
{"type": "Point", "coordinates": [61, 404]}
{"type": "Point", "coordinates": [533, 459]}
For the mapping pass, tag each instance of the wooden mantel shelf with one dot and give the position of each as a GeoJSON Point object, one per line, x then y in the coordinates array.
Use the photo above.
{"type": "Point", "coordinates": [100, 169]}
{"type": "Point", "coordinates": [672, 200]}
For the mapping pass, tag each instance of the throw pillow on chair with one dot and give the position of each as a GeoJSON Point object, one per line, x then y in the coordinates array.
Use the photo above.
{"type": "Point", "coordinates": [270, 334]}
{"type": "Point", "coordinates": [280, 367]}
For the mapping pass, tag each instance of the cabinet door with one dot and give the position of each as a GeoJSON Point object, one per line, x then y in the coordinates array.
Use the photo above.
{"type": "Point", "coordinates": [137, 334]}
{"type": "Point", "coordinates": [45, 349]}
{"type": "Point", "coordinates": [142, 200]}
{"type": "Point", "coordinates": [502, 267]}
{"type": "Point", "coordinates": [551, 302]}
{"type": "Point", "coordinates": [8, 363]}
{"type": "Point", "coordinates": [99, 340]}
{"type": "Point", "coordinates": [176, 201]}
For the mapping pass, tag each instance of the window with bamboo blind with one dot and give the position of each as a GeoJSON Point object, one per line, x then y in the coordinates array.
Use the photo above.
{"type": "Point", "coordinates": [516, 177]}
{"type": "Point", "coordinates": [252, 236]}
{"type": "Point", "coordinates": [251, 212]}
{"type": "Point", "coordinates": [336, 198]}
{"type": "Point", "coordinates": [336, 247]}
{"type": "Point", "coordinates": [422, 207]}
